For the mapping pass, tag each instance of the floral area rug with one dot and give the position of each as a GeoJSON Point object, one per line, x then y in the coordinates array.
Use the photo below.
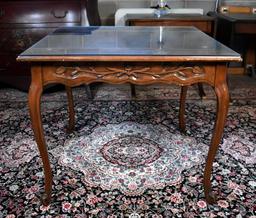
{"type": "Point", "coordinates": [127, 159]}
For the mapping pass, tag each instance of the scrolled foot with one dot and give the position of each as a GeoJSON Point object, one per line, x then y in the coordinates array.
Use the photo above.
{"type": "Point", "coordinates": [182, 128]}
{"type": "Point", "coordinates": [46, 199]}
{"type": "Point", "coordinates": [201, 91]}
{"type": "Point", "coordinates": [133, 91]}
{"type": "Point", "coordinates": [182, 123]}
{"type": "Point", "coordinates": [204, 97]}
{"type": "Point", "coordinates": [210, 198]}
{"type": "Point", "coordinates": [69, 129]}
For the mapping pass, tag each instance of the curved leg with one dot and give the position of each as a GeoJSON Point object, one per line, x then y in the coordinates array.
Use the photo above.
{"type": "Point", "coordinates": [183, 94]}
{"type": "Point", "coordinates": [222, 94]}
{"type": "Point", "coordinates": [88, 92]}
{"type": "Point", "coordinates": [71, 112]}
{"type": "Point", "coordinates": [133, 90]}
{"type": "Point", "coordinates": [35, 93]}
{"type": "Point", "coordinates": [201, 90]}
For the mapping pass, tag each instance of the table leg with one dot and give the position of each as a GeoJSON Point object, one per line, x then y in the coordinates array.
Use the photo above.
{"type": "Point", "coordinates": [183, 94]}
{"type": "Point", "coordinates": [201, 90]}
{"type": "Point", "coordinates": [221, 90]}
{"type": "Point", "coordinates": [71, 111]}
{"type": "Point", "coordinates": [250, 59]}
{"type": "Point", "coordinates": [89, 92]}
{"type": "Point", "coordinates": [133, 91]}
{"type": "Point", "coordinates": [35, 93]}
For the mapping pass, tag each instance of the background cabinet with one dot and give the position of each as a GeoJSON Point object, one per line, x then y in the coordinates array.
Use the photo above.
{"type": "Point", "coordinates": [204, 23]}
{"type": "Point", "coordinates": [23, 23]}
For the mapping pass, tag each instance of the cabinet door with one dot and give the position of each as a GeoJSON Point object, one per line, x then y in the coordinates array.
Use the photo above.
{"type": "Point", "coordinates": [22, 24]}
{"type": "Point", "coordinates": [13, 42]}
{"type": "Point", "coordinates": [14, 73]}
{"type": "Point", "coordinates": [17, 40]}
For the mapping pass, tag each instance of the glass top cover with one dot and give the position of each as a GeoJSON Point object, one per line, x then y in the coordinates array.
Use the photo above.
{"type": "Point", "coordinates": [128, 41]}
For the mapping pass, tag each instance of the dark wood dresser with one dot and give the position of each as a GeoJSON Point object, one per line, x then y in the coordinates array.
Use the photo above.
{"type": "Point", "coordinates": [238, 31]}
{"type": "Point", "coordinates": [23, 23]}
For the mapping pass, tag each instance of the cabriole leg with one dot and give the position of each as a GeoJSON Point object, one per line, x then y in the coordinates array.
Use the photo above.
{"type": "Point", "coordinates": [71, 111]}
{"type": "Point", "coordinates": [35, 93]}
{"type": "Point", "coordinates": [221, 90]}
{"type": "Point", "coordinates": [183, 94]}
{"type": "Point", "coordinates": [201, 90]}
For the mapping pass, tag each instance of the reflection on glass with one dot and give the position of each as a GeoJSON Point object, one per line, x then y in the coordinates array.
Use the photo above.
{"type": "Point", "coordinates": [161, 41]}
{"type": "Point", "coordinates": [160, 36]}
{"type": "Point", "coordinates": [162, 4]}
{"type": "Point", "coordinates": [162, 8]}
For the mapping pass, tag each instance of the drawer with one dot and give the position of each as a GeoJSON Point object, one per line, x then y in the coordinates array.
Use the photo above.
{"type": "Point", "coordinates": [245, 28]}
{"type": "Point", "coordinates": [17, 40]}
{"type": "Point", "coordinates": [40, 12]}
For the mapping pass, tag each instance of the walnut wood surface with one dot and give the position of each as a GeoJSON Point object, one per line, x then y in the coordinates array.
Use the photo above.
{"type": "Point", "coordinates": [35, 92]}
{"type": "Point", "coordinates": [132, 72]}
{"type": "Point", "coordinates": [222, 93]}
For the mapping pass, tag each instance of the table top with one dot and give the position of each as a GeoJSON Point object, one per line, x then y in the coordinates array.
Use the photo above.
{"type": "Point", "coordinates": [168, 17]}
{"type": "Point", "coordinates": [128, 44]}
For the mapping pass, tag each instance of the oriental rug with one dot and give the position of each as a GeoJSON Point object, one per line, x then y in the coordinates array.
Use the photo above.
{"type": "Point", "coordinates": [127, 158]}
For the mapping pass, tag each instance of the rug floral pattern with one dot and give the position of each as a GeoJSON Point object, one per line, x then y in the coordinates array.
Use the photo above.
{"type": "Point", "coordinates": [132, 157]}
{"type": "Point", "coordinates": [21, 181]}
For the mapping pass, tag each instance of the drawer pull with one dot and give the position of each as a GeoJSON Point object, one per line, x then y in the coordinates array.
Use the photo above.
{"type": "Point", "coordinates": [59, 16]}
{"type": "Point", "coordinates": [2, 12]}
